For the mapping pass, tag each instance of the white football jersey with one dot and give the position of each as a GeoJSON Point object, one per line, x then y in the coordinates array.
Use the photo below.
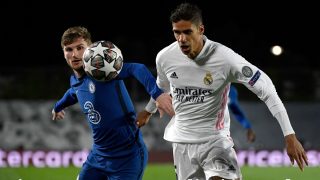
{"type": "Point", "coordinates": [200, 89]}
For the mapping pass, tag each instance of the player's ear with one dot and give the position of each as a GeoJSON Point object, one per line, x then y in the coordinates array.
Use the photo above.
{"type": "Point", "coordinates": [201, 29]}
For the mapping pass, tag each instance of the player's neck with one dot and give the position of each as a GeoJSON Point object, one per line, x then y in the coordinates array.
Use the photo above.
{"type": "Point", "coordinates": [78, 73]}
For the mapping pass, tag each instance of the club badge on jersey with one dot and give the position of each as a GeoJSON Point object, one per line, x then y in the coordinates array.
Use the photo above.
{"type": "Point", "coordinates": [208, 79]}
{"type": "Point", "coordinates": [92, 87]}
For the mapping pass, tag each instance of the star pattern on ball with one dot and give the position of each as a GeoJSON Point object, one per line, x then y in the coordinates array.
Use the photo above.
{"type": "Point", "coordinates": [109, 68]}
{"type": "Point", "coordinates": [98, 50]}
{"type": "Point", "coordinates": [88, 67]}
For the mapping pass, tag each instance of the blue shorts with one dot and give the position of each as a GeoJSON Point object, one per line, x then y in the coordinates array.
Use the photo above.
{"type": "Point", "coordinates": [129, 167]}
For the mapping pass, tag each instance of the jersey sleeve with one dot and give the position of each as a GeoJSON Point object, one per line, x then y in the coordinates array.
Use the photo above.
{"type": "Point", "coordinates": [67, 100]}
{"type": "Point", "coordinates": [241, 71]}
{"type": "Point", "coordinates": [143, 75]}
{"type": "Point", "coordinates": [162, 82]}
{"type": "Point", "coordinates": [162, 79]}
{"type": "Point", "coordinates": [151, 106]}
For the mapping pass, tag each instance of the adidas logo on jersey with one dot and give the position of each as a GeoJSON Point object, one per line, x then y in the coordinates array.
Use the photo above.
{"type": "Point", "coordinates": [174, 75]}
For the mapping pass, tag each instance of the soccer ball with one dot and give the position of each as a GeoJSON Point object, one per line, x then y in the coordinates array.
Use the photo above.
{"type": "Point", "coordinates": [102, 60]}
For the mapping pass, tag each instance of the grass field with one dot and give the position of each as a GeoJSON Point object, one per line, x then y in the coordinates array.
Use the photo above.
{"type": "Point", "coordinates": [161, 172]}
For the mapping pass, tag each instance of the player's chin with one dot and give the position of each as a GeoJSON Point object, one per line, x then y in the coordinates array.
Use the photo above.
{"type": "Point", "coordinates": [77, 67]}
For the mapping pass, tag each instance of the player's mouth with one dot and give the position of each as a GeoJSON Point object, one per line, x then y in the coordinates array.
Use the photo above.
{"type": "Point", "coordinates": [77, 61]}
{"type": "Point", "coordinates": [185, 49]}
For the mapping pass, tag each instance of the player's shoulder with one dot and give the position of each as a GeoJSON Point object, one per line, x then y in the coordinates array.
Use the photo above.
{"type": "Point", "coordinates": [171, 49]}
{"type": "Point", "coordinates": [72, 79]}
{"type": "Point", "coordinates": [221, 48]}
{"type": "Point", "coordinates": [228, 55]}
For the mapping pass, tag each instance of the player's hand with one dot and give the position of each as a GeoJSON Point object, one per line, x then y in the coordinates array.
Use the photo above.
{"type": "Point", "coordinates": [295, 151]}
{"type": "Point", "coordinates": [251, 136]}
{"type": "Point", "coordinates": [143, 118]}
{"type": "Point", "coordinates": [57, 115]}
{"type": "Point", "coordinates": [164, 104]}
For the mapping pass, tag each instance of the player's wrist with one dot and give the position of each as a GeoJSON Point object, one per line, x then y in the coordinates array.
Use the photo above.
{"type": "Point", "coordinates": [147, 112]}
{"type": "Point", "coordinates": [151, 106]}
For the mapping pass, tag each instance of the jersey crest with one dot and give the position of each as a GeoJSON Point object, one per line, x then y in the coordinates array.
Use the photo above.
{"type": "Point", "coordinates": [208, 79]}
{"type": "Point", "coordinates": [92, 87]}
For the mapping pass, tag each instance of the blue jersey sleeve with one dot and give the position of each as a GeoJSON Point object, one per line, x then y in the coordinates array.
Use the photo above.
{"type": "Point", "coordinates": [68, 99]}
{"type": "Point", "coordinates": [235, 108]}
{"type": "Point", "coordinates": [143, 75]}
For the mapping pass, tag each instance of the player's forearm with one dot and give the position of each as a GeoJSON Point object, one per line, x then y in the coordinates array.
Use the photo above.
{"type": "Point", "coordinates": [278, 110]}
{"type": "Point", "coordinates": [60, 105]}
{"type": "Point", "coordinates": [284, 122]}
{"type": "Point", "coordinates": [267, 92]}
{"type": "Point", "coordinates": [239, 115]}
{"type": "Point", "coordinates": [65, 101]}
{"type": "Point", "coordinates": [243, 121]}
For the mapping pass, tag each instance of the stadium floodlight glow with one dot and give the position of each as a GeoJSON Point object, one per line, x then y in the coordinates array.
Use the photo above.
{"type": "Point", "coordinates": [276, 50]}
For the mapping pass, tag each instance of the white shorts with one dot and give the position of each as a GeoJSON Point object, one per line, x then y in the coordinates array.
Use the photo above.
{"type": "Point", "coordinates": [200, 161]}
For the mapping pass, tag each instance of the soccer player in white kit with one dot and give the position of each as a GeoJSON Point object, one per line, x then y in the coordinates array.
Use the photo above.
{"type": "Point", "coordinates": [198, 72]}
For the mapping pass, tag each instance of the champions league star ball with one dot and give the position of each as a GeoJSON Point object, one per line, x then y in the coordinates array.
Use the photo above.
{"type": "Point", "coordinates": [102, 60]}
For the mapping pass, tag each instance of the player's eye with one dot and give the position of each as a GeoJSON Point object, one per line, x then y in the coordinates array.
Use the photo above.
{"type": "Point", "coordinates": [68, 49]}
{"type": "Point", "coordinates": [176, 32]}
{"type": "Point", "coordinates": [80, 48]}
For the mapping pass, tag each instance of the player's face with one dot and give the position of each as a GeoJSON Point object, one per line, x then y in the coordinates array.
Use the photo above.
{"type": "Point", "coordinates": [189, 37]}
{"type": "Point", "coordinates": [73, 53]}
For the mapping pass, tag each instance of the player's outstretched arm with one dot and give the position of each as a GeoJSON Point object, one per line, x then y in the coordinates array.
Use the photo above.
{"type": "Point", "coordinates": [57, 115]}
{"type": "Point", "coordinates": [68, 99]}
{"type": "Point", "coordinates": [144, 76]}
{"type": "Point", "coordinates": [295, 151]}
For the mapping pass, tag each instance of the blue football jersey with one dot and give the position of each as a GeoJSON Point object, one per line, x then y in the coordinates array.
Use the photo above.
{"type": "Point", "coordinates": [109, 109]}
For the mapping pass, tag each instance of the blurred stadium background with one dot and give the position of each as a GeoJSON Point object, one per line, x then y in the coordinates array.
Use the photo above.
{"type": "Point", "coordinates": [33, 75]}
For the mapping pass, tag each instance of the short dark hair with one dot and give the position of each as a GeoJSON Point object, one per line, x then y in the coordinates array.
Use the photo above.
{"type": "Point", "coordinates": [187, 12]}
{"type": "Point", "coordinates": [72, 33]}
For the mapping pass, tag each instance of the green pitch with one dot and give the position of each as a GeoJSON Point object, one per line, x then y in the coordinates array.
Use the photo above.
{"type": "Point", "coordinates": [160, 172]}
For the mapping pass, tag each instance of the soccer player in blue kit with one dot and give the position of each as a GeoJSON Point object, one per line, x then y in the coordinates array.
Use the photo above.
{"type": "Point", "coordinates": [118, 150]}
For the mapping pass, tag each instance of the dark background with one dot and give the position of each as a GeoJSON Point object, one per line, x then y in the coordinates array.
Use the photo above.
{"type": "Point", "coordinates": [32, 30]}
{"type": "Point", "coordinates": [31, 33]}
